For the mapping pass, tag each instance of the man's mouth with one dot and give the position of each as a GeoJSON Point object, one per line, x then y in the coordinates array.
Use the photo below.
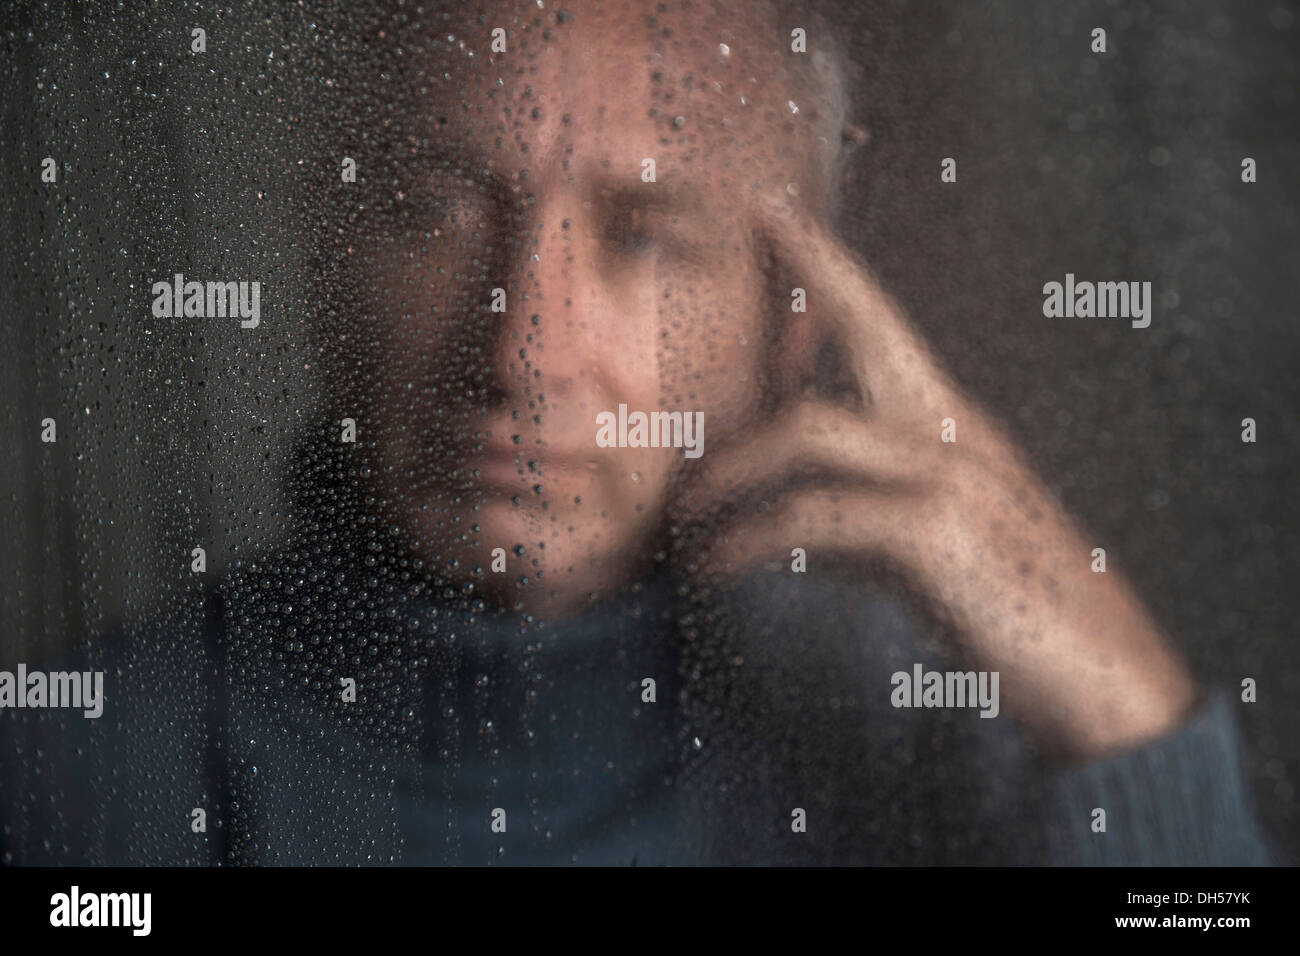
{"type": "Point", "coordinates": [515, 467]}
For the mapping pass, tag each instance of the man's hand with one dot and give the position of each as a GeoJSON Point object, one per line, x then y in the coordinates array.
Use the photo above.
{"type": "Point", "coordinates": [1082, 664]}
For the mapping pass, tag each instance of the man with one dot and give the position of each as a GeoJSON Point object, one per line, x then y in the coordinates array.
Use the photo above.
{"type": "Point", "coordinates": [496, 637]}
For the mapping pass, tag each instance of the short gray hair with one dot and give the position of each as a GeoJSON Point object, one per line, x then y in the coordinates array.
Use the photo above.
{"type": "Point", "coordinates": [832, 78]}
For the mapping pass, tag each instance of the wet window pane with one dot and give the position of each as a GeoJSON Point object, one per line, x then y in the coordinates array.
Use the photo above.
{"type": "Point", "coordinates": [614, 433]}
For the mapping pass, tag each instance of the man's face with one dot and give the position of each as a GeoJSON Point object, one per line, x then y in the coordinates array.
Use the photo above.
{"type": "Point", "coordinates": [527, 173]}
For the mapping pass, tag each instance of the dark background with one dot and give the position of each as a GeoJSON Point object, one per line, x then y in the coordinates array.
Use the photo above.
{"type": "Point", "coordinates": [1123, 166]}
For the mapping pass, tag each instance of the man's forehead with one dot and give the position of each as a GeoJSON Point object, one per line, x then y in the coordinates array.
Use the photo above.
{"type": "Point", "coordinates": [601, 89]}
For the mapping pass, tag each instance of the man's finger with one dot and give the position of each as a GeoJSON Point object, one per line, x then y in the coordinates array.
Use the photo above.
{"type": "Point", "coordinates": [892, 362]}
{"type": "Point", "coordinates": [811, 439]}
{"type": "Point", "coordinates": [822, 522]}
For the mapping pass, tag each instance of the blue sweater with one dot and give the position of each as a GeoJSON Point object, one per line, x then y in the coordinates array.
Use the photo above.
{"type": "Point", "coordinates": [769, 699]}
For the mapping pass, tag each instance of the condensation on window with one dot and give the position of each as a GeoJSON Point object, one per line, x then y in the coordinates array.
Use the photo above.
{"type": "Point", "coordinates": [471, 433]}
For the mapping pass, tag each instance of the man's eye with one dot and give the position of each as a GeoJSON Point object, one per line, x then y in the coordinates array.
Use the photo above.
{"type": "Point", "coordinates": [628, 238]}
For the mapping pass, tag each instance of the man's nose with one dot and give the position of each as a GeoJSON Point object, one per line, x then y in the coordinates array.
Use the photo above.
{"type": "Point", "coordinates": [546, 331]}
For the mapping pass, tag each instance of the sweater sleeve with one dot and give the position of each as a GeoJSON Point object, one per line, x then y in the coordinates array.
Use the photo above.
{"type": "Point", "coordinates": [1181, 800]}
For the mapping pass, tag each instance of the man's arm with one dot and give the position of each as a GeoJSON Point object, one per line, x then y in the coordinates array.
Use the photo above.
{"type": "Point", "coordinates": [915, 473]}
